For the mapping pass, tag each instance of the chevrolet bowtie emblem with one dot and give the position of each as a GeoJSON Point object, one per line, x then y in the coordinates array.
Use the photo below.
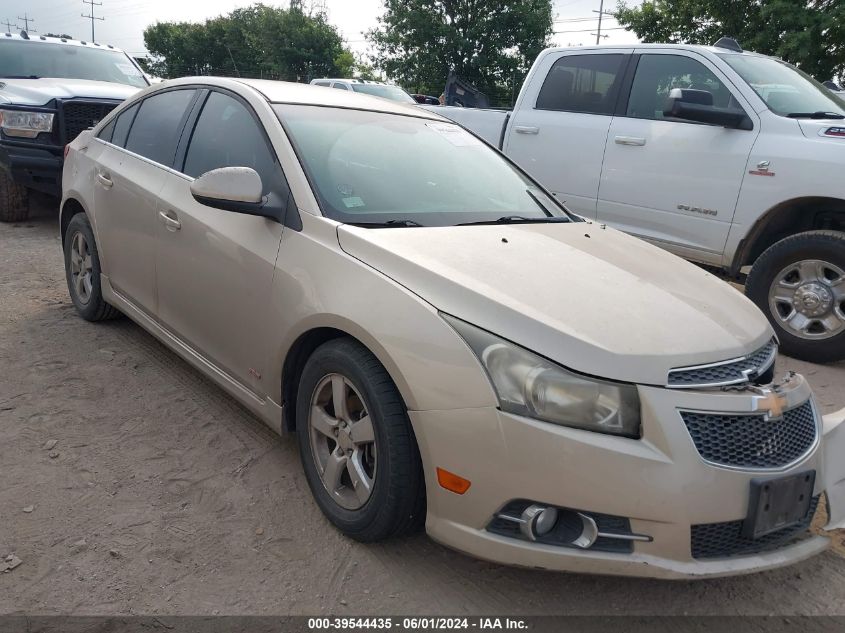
{"type": "Point", "coordinates": [772, 402]}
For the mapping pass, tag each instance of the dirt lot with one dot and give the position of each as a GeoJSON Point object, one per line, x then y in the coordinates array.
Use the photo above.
{"type": "Point", "coordinates": [164, 496]}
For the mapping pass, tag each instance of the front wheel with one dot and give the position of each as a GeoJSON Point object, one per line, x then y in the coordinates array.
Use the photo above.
{"type": "Point", "coordinates": [799, 283]}
{"type": "Point", "coordinates": [358, 450]}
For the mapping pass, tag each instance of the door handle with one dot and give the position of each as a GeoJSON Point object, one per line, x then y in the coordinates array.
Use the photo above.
{"type": "Point", "coordinates": [170, 222]}
{"type": "Point", "coordinates": [104, 180]}
{"type": "Point", "coordinates": [635, 141]}
{"type": "Point", "coordinates": [526, 129]}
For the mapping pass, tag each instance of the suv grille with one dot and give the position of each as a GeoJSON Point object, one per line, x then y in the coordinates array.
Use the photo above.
{"type": "Point", "coordinates": [720, 540]}
{"type": "Point", "coordinates": [80, 115]}
{"type": "Point", "coordinates": [729, 372]}
{"type": "Point", "coordinates": [752, 441]}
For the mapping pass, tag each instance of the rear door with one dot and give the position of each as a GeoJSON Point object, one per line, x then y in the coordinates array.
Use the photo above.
{"type": "Point", "coordinates": [138, 149]}
{"type": "Point", "coordinates": [558, 131]}
{"type": "Point", "coordinates": [214, 268]}
{"type": "Point", "coordinates": [675, 182]}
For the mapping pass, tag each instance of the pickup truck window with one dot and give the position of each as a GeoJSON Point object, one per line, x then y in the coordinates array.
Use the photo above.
{"type": "Point", "coordinates": [658, 74]}
{"type": "Point", "coordinates": [34, 60]}
{"type": "Point", "coordinates": [383, 169]}
{"type": "Point", "coordinates": [786, 90]}
{"type": "Point", "coordinates": [582, 83]}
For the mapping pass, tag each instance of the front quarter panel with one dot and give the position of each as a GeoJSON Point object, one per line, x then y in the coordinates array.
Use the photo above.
{"type": "Point", "coordinates": [319, 286]}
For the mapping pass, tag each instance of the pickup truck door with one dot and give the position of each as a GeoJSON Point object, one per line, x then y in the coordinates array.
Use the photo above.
{"type": "Point", "coordinates": [559, 127]}
{"type": "Point", "coordinates": [675, 182]}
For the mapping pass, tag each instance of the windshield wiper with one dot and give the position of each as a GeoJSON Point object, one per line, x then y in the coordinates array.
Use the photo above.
{"type": "Point", "coordinates": [815, 115]}
{"type": "Point", "coordinates": [20, 77]}
{"type": "Point", "coordinates": [387, 224]}
{"type": "Point", "coordinates": [517, 219]}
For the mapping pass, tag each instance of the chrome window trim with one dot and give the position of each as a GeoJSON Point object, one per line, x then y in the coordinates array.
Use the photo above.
{"type": "Point", "coordinates": [145, 159]}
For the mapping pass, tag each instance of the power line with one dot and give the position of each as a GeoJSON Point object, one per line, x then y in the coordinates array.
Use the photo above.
{"type": "Point", "coordinates": [615, 28]}
{"type": "Point", "coordinates": [93, 4]}
{"type": "Point", "coordinates": [26, 20]}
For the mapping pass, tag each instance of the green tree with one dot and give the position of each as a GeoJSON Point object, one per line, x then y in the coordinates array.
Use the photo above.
{"type": "Point", "coordinates": [487, 42]}
{"type": "Point", "coordinates": [807, 33]}
{"type": "Point", "coordinates": [255, 41]}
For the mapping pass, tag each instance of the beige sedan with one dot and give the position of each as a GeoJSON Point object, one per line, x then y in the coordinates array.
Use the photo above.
{"type": "Point", "coordinates": [450, 344]}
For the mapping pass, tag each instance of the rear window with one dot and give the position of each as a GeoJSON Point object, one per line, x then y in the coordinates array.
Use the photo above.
{"type": "Point", "coordinates": [582, 83]}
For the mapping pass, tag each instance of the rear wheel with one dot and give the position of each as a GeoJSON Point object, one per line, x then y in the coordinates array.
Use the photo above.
{"type": "Point", "coordinates": [799, 283]}
{"type": "Point", "coordinates": [357, 447]}
{"type": "Point", "coordinates": [14, 200]}
{"type": "Point", "coordinates": [82, 269]}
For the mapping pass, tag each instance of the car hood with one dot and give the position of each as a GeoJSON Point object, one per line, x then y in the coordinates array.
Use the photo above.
{"type": "Point", "coordinates": [39, 92]}
{"type": "Point", "coordinates": [590, 298]}
{"type": "Point", "coordinates": [829, 129]}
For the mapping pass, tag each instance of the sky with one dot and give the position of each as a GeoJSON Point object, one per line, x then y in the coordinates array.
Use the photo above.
{"type": "Point", "coordinates": [125, 20]}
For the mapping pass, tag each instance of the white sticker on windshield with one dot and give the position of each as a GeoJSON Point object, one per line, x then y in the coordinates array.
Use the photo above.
{"type": "Point", "coordinates": [128, 69]}
{"type": "Point", "coordinates": [455, 135]}
{"type": "Point", "coordinates": [352, 202]}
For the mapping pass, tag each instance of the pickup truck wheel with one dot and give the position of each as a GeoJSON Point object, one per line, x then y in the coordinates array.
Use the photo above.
{"type": "Point", "coordinates": [82, 269]}
{"type": "Point", "coordinates": [799, 283]}
{"type": "Point", "coordinates": [14, 200]}
{"type": "Point", "coordinates": [358, 450]}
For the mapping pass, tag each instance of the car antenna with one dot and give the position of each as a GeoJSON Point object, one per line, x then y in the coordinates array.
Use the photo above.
{"type": "Point", "coordinates": [728, 43]}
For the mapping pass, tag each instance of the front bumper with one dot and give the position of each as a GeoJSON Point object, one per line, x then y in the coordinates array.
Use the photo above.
{"type": "Point", "coordinates": [660, 483]}
{"type": "Point", "coordinates": [33, 166]}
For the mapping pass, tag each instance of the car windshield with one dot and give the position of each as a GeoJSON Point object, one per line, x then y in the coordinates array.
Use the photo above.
{"type": "Point", "coordinates": [25, 59]}
{"type": "Point", "coordinates": [393, 170]}
{"type": "Point", "coordinates": [785, 89]}
{"type": "Point", "coordinates": [386, 92]}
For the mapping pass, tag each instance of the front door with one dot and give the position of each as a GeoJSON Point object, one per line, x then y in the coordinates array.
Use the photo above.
{"type": "Point", "coordinates": [559, 128]}
{"type": "Point", "coordinates": [671, 181]}
{"type": "Point", "coordinates": [214, 268]}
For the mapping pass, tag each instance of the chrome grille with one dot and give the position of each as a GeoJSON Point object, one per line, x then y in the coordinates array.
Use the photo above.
{"type": "Point", "coordinates": [80, 115]}
{"type": "Point", "coordinates": [729, 372]}
{"type": "Point", "coordinates": [721, 540]}
{"type": "Point", "coordinates": [752, 441]}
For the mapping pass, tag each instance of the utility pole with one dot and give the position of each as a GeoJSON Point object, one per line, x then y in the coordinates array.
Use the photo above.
{"type": "Point", "coordinates": [26, 20]}
{"type": "Point", "coordinates": [8, 25]}
{"type": "Point", "coordinates": [93, 4]}
{"type": "Point", "coordinates": [601, 13]}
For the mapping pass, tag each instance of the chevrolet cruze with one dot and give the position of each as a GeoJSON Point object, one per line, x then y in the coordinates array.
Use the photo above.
{"type": "Point", "coordinates": [450, 345]}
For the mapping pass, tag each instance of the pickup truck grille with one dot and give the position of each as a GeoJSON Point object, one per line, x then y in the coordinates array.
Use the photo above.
{"type": "Point", "coordinates": [752, 441]}
{"type": "Point", "coordinates": [80, 115]}
{"type": "Point", "coordinates": [729, 372]}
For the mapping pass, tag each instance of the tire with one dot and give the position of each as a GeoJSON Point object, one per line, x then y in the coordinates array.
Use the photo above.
{"type": "Point", "coordinates": [14, 200]}
{"type": "Point", "coordinates": [89, 301]}
{"type": "Point", "coordinates": [816, 330]}
{"type": "Point", "coordinates": [396, 502]}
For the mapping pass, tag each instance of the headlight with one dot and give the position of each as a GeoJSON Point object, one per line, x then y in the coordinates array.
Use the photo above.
{"type": "Point", "coordinates": [25, 124]}
{"type": "Point", "coordinates": [529, 385]}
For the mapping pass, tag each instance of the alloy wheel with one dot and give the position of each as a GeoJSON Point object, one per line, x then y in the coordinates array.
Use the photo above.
{"type": "Point", "coordinates": [81, 268]}
{"type": "Point", "coordinates": [808, 299]}
{"type": "Point", "coordinates": [342, 441]}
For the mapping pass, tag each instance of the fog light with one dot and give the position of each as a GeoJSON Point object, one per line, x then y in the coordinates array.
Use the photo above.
{"type": "Point", "coordinates": [537, 521]}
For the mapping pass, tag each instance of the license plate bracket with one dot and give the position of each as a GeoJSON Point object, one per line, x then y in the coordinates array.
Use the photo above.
{"type": "Point", "coordinates": [778, 503]}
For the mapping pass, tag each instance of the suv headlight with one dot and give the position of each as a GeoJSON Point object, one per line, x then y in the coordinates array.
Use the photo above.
{"type": "Point", "coordinates": [25, 124]}
{"type": "Point", "coordinates": [532, 386]}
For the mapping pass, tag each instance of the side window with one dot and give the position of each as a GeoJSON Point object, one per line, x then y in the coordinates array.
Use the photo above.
{"type": "Point", "coordinates": [340, 86]}
{"type": "Point", "coordinates": [227, 135]}
{"type": "Point", "coordinates": [107, 131]}
{"type": "Point", "coordinates": [122, 124]}
{"type": "Point", "coordinates": [324, 84]}
{"type": "Point", "coordinates": [657, 74]}
{"type": "Point", "coordinates": [582, 83]}
{"type": "Point", "coordinates": [155, 132]}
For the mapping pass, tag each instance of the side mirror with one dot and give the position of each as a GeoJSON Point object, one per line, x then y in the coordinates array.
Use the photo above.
{"type": "Point", "coordinates": [697, 105]}
{"type": "Point", "coordinates": [235, 189]}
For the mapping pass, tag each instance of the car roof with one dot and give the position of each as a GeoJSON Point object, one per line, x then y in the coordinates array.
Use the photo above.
{"type": "Point", "coordinates": [306, 94]}
{"type": "Point", "coordinates": [683, 47]}
{"type": "Point", "coordinates": [35, 38]}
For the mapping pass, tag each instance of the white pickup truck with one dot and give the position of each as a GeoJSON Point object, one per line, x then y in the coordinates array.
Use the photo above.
{"type": "Point", "coordinates": [724, 157]}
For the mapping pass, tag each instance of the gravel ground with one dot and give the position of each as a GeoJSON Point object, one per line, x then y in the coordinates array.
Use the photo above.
{"type": "Point", "coordinates": [162, 495]}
